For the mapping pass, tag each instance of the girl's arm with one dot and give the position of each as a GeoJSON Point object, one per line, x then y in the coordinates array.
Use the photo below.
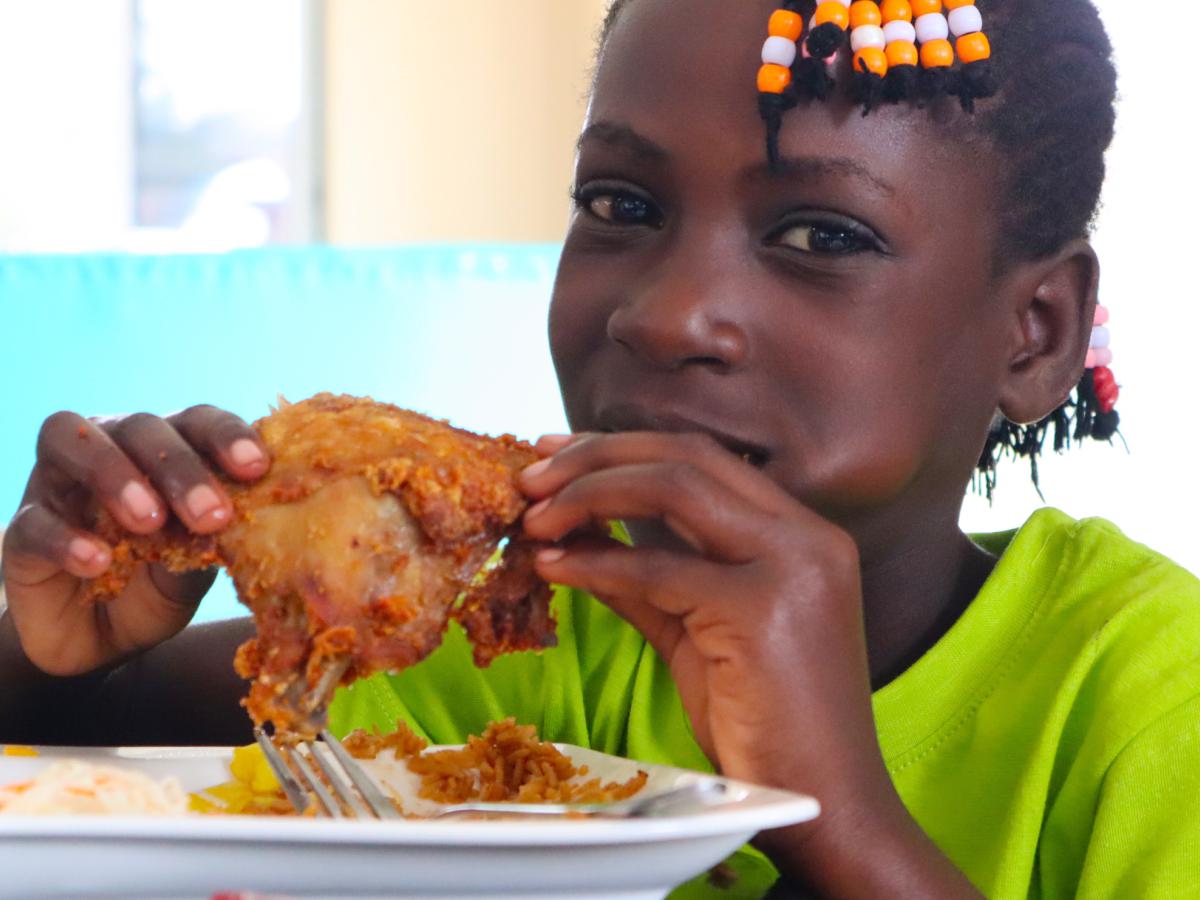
{"type": "Point", "coordinates": [76, 672]}
{"type": "Point", "coordinates": [183, 692]}
{"type": "Point", "coordinates": [754, 602]}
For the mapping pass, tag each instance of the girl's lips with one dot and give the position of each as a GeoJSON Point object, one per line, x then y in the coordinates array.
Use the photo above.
{"type": "Point", "coordinates": [629, 417]}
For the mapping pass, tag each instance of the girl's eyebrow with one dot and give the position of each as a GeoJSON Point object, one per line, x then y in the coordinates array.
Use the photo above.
{"type": "Point", "coordinates": [623, 137]}
{"type": "Point", "coordinates": [808, 168]}
{"type": "Point", "coordinates": [813, 168]}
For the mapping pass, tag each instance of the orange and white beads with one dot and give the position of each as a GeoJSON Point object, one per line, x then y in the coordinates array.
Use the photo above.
{"type": "Point", "coordinates": [867, 43]}
{"type": "Point", "coordinates": [775, 93]}
{"type": "Point", "coordinates": [900, 48]}
{"type": "Point", "coordinates": [779, 51]}
{"type": "Point", "coordinates": [975, 78]}
{"type": "Point", "coordinates": [933, 32]}
{"type": "Point", "coordinates": [966, 24]}
{"type": "Point", "coordinates": [867, 40]}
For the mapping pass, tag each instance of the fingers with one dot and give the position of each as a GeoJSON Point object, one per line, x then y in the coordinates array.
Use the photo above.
{"type": "Point", "coordinates": [176, 470]}
{"type": "Point", "coordinates": [549, 444]}
{"type": "Point", "coordinates": [569, 460]}
{"type": "Point", "coordinates": [656, 591]}
{"type": "Point", "coordinates": [226, 439]}
{"type": "Point", "coordinates": [141, 466]}
{"type": "Point", "coordinates": [39, 545]}
{"type": "Point", "coordinates": [704, 512]}
{"type": "Point", "coordinates": [82, 452]}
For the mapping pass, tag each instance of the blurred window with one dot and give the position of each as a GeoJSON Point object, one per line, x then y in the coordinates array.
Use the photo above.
{"type": "Point", "coordinates": [160, 125]}
{"type": "Point", "coordinates": [225, 148]}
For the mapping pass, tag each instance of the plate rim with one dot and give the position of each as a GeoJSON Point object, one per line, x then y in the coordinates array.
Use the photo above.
{"type": "Point", "coordinates": [759, 809]}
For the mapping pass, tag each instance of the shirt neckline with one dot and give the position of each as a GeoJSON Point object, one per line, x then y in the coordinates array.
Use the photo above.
{"type": "Point", "coordinates": [946, 685]}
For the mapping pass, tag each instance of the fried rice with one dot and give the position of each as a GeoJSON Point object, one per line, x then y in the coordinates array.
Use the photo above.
{"type": "Point", "coordinates": [506, 763]}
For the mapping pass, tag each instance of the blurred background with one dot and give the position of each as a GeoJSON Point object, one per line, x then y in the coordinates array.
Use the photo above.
{"type": "Point", "coordinates": [227, 200]}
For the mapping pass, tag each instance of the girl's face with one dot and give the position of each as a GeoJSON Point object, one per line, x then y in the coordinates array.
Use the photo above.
{"type": "Point", "coordinates": [831, 322]}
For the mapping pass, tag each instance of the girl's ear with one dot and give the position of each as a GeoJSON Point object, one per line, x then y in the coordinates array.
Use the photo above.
{"type": "Point", "coordinates": [1053, 303]}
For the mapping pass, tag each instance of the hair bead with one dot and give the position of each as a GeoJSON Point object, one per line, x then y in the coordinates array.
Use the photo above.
{"type": "Point", "coordinates": [864, 12]}
{"type": "Point", "coordinates": [899, 30]}
{"type": "Point", "coordinates": [1101, 315]}
{"type": "Point", "coordinates": [932, 27]}
{"type": "Point", "coordinates": [785, 23]}
{"type": "Point", "coordinates": [779, 51]}
{"type": "Point", "coordinates": [902, 53]}
{"type": "Point", "coordinates": [774, 79]}
{"type": "Point", "coordinates": [870, 67]}
{"type": "Point", "coordinates": [975, 80]}
{"type": "Point", "coordinates": [867, 36]}
{"type": "Point", "coordinates": [832, 12]}
{"type": "Point", "coordinates": [896, 11]}
{"type": "Point", "coordinates": [900, 48]}
{"type": "Point", "coordinates": [937, 54]}
{"type": "Point", "coordinates": [1107, 391]}
{"type": "Point", "coordinates": [965, 20]}
{"type": "Point", "coordinates": [925, 7]}
{"type": "Point", "coordinates": [974, 48]}
{"type": "Point", "coordinates": [871, 59]}
{"type": "Point", "coordinates": [776, 93]}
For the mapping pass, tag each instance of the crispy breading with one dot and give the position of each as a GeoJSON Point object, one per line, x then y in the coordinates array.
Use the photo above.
{"type": "Point", "coordinates": [353, 549]}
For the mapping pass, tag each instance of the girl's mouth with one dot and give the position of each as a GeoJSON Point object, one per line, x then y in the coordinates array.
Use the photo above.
{"type": "Point", "coordinates": [636, 418]}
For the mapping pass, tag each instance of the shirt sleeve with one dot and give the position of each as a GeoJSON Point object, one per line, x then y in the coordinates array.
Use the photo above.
{"type": "Point", "coordinates": [1146, 833]}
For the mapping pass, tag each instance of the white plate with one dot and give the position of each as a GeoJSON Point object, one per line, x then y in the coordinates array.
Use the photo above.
{"type": "Point", "coordinates": [195, 857]}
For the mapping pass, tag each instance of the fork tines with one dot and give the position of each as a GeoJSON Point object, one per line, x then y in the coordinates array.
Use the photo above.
{"type": "Point", "coordinates": [296, 766]}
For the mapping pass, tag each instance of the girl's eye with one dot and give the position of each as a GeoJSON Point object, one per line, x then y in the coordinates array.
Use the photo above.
{"type": "Point", "coordinates": [827, 237]}
{"type": "Point", "coordinates": [621, 208]}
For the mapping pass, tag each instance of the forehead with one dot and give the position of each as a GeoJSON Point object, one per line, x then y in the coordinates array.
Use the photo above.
{"type": "Point", "coordinates": [682, 73]}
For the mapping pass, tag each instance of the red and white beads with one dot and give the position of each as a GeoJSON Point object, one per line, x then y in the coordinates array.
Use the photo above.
{"type": "Point", "coordinates": [1099, 358]}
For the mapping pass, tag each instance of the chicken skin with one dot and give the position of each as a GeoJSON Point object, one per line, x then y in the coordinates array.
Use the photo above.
{"type": "Point", "coordinates": [374, 527]}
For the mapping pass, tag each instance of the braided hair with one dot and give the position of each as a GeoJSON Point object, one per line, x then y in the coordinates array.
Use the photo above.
{"type": "Point", "coordinates": [1049, 114]}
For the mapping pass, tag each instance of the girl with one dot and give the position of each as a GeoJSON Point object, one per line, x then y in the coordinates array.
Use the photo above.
{"type": "Point", "coordinates": [781, 373]}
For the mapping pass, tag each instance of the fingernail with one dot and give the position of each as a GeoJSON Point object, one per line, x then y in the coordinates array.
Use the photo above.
{"type": "Point", "coordinates": [203, 501]}
{"type": "Point", "coordinates": [553, 442]}
{"type": "Point", "coordinates": [551, 555]}
{"type": "Point", "coordinates": [245, 452]}
{"type": "Point", "coordinates": [533, 471]}
{"type": "Point", "coordinates": [82, 550]}
{"type": "Point", "coordinates": [139, 502]}
{"type": "Point", "coordinates": [537, 509]}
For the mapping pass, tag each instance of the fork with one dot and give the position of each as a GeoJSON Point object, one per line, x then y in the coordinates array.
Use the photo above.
{"type": "Point", "coordinates": [365, 799]}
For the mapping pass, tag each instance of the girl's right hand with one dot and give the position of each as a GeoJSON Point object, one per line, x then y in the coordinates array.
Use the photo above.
{"type": "Point", "coordinates": [142, 469]}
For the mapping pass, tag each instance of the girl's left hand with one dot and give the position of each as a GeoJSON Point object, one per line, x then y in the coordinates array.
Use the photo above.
{"type": "Point", "coordinates": [756, 608]}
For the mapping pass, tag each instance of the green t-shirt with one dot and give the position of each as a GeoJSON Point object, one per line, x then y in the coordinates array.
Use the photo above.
{"type": "Point", "coordinates": [1049, 743]}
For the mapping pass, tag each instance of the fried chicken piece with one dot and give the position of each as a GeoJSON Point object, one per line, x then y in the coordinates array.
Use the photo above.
{"type": "Point", "coordinates": [352, 552]}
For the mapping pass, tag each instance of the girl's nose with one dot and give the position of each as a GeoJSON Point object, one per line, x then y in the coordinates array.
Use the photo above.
{"type": "Point", "coordinates": [683, 324]}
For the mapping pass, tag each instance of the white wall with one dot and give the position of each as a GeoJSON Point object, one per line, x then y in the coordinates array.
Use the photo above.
{"type": "Point", "coordinates": [453, 121]}
{"type": "Point", "coordinates": [1146, 241]}
{"type": "Point", "coordinates": [67, 123]}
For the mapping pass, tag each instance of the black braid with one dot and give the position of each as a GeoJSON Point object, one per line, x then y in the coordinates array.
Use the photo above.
{"type": "Point", "coordinates": [1050, 89]}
